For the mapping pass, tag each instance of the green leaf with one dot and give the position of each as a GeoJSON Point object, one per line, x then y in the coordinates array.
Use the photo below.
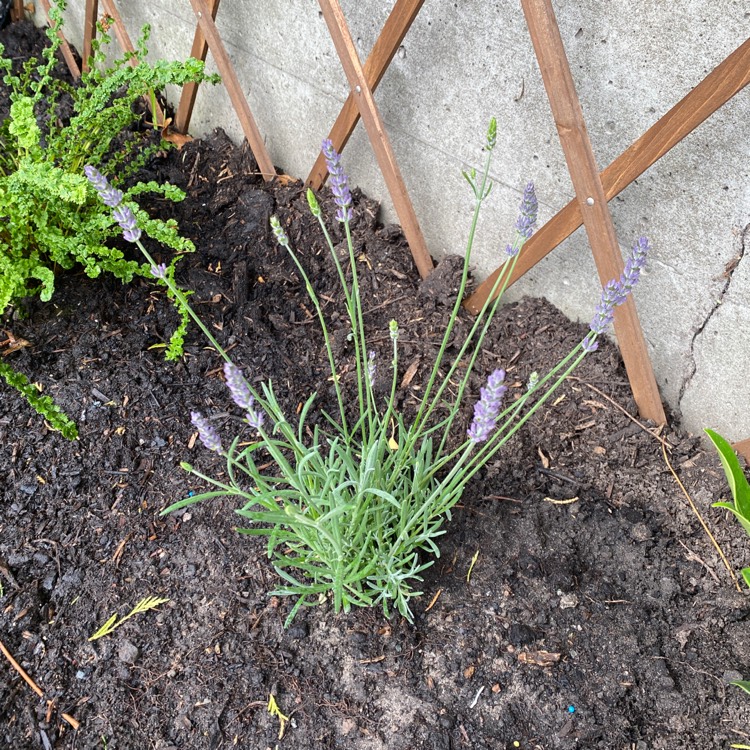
{"type": "Point", "coordinates": [105, 629]}
{"type": "Point", "coordinates": [746, 575]}
{"type": "Point", "coordinates": [738, 484]}
{"type": "Point", "coordinates": [190, 501]}
{"type": "Point", "coordinates": [144, 605]}
{"type": "Point", "coordinates": [23, 124]}
{"type": "Point", "coordinates": [744, 684]}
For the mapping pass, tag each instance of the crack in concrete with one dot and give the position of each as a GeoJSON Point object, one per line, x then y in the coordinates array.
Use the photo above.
{"type": "Point", "coordinates": [729, 270]}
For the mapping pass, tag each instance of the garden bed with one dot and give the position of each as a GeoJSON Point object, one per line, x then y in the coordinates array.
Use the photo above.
{"type": "Point", "coordinates": [577, 602]}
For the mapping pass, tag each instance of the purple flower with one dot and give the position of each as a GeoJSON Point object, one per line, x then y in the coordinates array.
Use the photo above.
{"type": "Point", "coordinates": [338, 182]}
{"type": "Point", "coordinates": [487, 408]}
{"type": "Point", "coordinates": [125, 217]}
{"type": "Point", "coordinates": [635, 262]}
{"type": "Point", "coordinates": [159, 271]}
{"type": "Point", "coordinates": [616, 291]}
{"type": "Point", "coordinates": [238, 386]}
{"type": "Point", "coordinates": [109, 195]}
{"type": "Point", "coordinates": [255, 419]}
{"type": "Point", "coordinates": [529, 209]}
{"type": "Point", "coordinates": [96, 178]}
{"type": "Point", "coordinates": [112, 197]}
{"type": "Point", "coordinates": [590, 344]}
{"type": "Point", "coordinates": [613, 295]}
{"type": "Point", "coordinates": [279, 233]}
{"type": "Point", "coordinates": [208, 434]}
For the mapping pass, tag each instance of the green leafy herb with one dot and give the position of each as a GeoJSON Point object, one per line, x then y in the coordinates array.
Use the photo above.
{"type": "Point", "coordinates": [44, 405]}
{"type": "Point", "coordinates": [50, 218]}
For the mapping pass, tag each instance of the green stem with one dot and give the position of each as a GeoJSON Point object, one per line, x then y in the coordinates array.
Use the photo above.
{"type": "Point", "coordinates": [182, 299]}
{"type": "Point", "coordinates": [502, 282]}
{"type": "Point", "coordinates": [480, 194]}
{"type": "Point", "coordinates": [500, 438]}
{"type": "Point", "coordinates": [360, 342]}
{"type": "Point", "coordinates": [319, 310]}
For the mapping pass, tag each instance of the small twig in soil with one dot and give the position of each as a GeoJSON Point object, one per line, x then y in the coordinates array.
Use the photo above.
{"type": "Point", "coordinates": [476, 697]}
{"type": "Point", "coordinates": [567, 501]}
{"type": "Point", "coordinates": [73, 722]}
{"type": "Point", "coordinates": [702, 522]}
{"type": "Point", "coordinates": [434, 600]}
{"type": "Point", "coordinates": [385, 304]}
{"type": "Point", "coordinates": [624, 411]}
{"type": "Point", "coordinates": [693, 556]}
{"type": "Point", "coordinates": [21, 671]}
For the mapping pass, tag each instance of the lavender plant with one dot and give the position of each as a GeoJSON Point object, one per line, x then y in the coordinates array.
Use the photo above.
{"type": "Point", "coordinates": [354, 511]}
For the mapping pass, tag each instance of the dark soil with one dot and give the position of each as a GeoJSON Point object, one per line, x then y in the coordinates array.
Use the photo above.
{"type": "Point", "coordinates": [597, 613]}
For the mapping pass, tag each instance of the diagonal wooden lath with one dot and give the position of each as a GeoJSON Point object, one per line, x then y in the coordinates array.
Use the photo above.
{"type": "Point", "coordinates": [123, 38]}
{"type": "Point", "coordinates": [373, 123]}
{"type": "Point", "coordinates": [206, 36]}
{"type": "Point", "coordinates": [205, 16]}
{"type": "Point", "coordinates": [67, 53]}
{"type": "Point", "coordinates": [584, 174]}
{"type": "Point", "coordinates": [713, 92]}
{"type": "Point", "coordinates": [397, 24]}
{"type": "Point", "coordinates": [199, 51]}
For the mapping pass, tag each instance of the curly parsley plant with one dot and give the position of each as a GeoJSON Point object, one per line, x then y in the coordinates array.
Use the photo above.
{"type": "Point", "coordinates": [50, 218]}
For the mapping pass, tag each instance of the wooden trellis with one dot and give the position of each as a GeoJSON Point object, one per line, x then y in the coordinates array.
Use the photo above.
{"type": "Point", "coordinates": [593, 189]}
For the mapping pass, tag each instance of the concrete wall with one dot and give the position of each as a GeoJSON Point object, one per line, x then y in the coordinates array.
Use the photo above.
{"type": "Point", "coordinates": [463, 62]}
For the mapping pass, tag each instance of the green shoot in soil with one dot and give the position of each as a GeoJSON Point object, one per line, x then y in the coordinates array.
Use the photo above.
{"type": "Point", "coordinates": [738, 485]}
{"type": "Point", "coordinates": [144, 605]}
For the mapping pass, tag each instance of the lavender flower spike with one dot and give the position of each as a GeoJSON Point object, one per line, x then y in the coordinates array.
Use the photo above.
{"type": "Point", "coordinates": [529, 209]}
{"type": "Point", "coordinates": [238, 387]}
{"type": "Point", "coordinates": [159, 271]}
{"type": "Point", "coordinates": [110, 196]}
{"type": "Point", "coordinates": [615, 292]}
{"type": "Point", "coordinates": [278, 232]}
{"type": "Point", "coordinates": [487, 408]}
{"type": "Point", "coordinates": [96, 178]}
{"type": "Point", "coordinates": [338, 181]}
{"type": "Point", "coordinates": [124, 216]}
{"type": "Point", "coordinates": [255, 419]}
{"type": "Point", "coordinates": [208, 435]}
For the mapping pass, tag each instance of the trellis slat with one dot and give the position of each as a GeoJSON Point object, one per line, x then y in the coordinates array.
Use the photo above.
{"type": "Point", "coordinates": [579, 155]}
{"type": "Point", "coordinates": [375, 128]}
{"type": "Point", "coordinates": [394, 30]}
